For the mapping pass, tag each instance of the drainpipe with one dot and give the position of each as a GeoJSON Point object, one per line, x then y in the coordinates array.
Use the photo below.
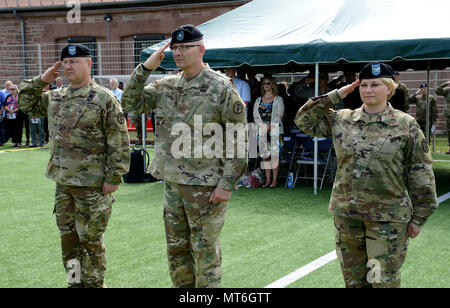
{"type": "Point", "coordinates": [24, 53]}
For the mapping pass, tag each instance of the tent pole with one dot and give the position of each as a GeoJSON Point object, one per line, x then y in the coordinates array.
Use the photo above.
{"type": "Point", "coordinates": [427, 113]}
{"type": "Point", "coordinates": [316, 142]}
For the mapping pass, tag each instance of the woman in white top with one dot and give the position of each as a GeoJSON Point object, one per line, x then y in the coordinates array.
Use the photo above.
{"type": "Point", "coordinates": [268, 113]}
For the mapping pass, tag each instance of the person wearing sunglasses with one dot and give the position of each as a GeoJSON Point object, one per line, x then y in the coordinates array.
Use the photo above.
{"type": "Point", "coordinates": [268, 114]}
{"type": "Point", "coordinates": [196, 187]}
{"type": "Point", "coordinates": [13, 122]}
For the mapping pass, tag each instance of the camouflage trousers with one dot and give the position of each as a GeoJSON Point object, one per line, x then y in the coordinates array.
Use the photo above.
{"type": "Point", "coordinates": [371, 253]}
{"type": "Point", "coordinates": [82, 215]}
{"type": "Point", "coordinates": [193, 226]}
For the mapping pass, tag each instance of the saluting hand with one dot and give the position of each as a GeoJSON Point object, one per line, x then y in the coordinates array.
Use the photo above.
{"type": "Point", "coordinates": [154, 61]}
{"type": "Point", "coordinates": [51, 73]}
{"type": "Point", "coordinates": [346, 90]}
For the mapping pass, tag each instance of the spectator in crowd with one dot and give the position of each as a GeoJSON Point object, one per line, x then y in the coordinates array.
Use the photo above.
{"type": "Point", "coordinates": [241, 85]}
{"type": "Point", "coordinates": [444, 90]}
{"type": "Point", "coordinates": [255, 90]}
{"type": "Point", "coordinates": [420, 100]}
{"type": "Point", "coordinates": [59, 83]}
{"type": "Point", "coordinates": [268, 113]}
{"type": "Point", "coordinates": [3, 94]}
{"type": "Point", "coordinates": [13, 121]}
{"type": "Point", "coordinates": [400, 98]}
{"type": "Point", "coordinates": [115, 89]}
{"type": "Point", "coordinates": [8, 85]}
{"type": "Point", "coordinates": [2, 116]}
{"type": "Point", "coordinates": [37, 127]}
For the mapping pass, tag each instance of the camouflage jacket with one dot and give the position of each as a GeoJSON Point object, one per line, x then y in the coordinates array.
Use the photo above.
{"type": "Point", "coordinates": [89, 141]}
{"type": "Point", "coordinates": [210, 97]}
{"type": "Point", "coordinates": [384, 168]}
{"type": "Point", "coordinates": [421, 108]}
{"type": "Point", "coordinates": [444, 90]}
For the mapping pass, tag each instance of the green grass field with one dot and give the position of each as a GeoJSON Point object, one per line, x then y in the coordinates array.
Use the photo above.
{"type": "Point", "coordinates": [268, 234]}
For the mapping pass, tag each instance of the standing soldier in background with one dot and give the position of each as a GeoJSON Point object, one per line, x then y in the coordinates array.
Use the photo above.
{"type": "Point", "coordinates": [420, 100]}
{"type": "Point", "coordinates": [444, 90]}
{"type": "Point", "coordinates": [400, 98]}
{"type": "Point", "coordinates": [89, 153]}
{"type": "Point", "coordinates": [197, 189]}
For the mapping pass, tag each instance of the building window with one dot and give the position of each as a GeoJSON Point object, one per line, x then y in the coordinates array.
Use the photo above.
{"type": "Point", "coordinates": [143, 41]}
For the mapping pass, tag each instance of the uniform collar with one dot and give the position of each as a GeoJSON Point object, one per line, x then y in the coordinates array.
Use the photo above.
{"type": "Point", "coordinates": [82, 92]}
{"type": "Point", "coordinates": [197, 79]}
{"type": "Point", "coordinates": [387, 116]}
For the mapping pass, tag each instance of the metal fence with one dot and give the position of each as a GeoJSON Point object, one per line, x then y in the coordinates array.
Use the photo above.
{"type": "Point", "coordinates": [111, 59]}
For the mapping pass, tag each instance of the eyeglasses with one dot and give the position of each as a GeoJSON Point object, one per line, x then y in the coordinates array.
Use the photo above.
{"type": "Point", "coordinates": [12, 89]}
{"type": "Point", "coordinates": [267, 83]}
{"type": "Point", "coordinates": [182, 48]}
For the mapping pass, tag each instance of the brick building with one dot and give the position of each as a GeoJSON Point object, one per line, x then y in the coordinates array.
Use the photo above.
{"type": "Point", "coordinates": [115, 31]}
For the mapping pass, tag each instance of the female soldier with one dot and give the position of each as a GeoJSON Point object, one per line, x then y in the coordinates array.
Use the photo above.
{"type": "Point", "coordinates": [384, 189]}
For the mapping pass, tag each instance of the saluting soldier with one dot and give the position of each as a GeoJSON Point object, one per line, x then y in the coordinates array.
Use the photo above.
{"type": "Point", "coordinates": [420, 100]}
{"type": "Point", "coordinates": [444, 90]}
{"type": "Point", "coordinates": [384, 189]}
{"type": "Point", "coordinates": [89, 153]}
{"type": "Point", "coordinates": [196, 188]}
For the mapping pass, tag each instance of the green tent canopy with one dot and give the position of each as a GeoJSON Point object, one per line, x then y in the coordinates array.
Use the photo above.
{"type": "Point", "coordinates": [286, 33]}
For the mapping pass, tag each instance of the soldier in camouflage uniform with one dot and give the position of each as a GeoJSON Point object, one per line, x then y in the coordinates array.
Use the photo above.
{"type": "Point", "coordinates": [420, 100]}
{"type": "Point", "coordinates": [89, 153]}
{"type": "Point", "coordinates": [384, 189]}
{"type": "Point", "coordinates": [196, 188]}
{"type": "Point", "coordinates": [444, 90]}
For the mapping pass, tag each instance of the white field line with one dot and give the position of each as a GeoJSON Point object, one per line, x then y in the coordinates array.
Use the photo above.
{"type": "Point", "coordinates": [318, 263]}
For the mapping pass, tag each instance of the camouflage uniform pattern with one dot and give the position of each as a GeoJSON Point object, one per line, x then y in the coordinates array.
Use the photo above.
{"type": "Point", "coordinates": [421, 109]}
{"type": "Point", "coordinates": [384, 180]}
{"type": "Point", "coordinates": [444, 90]}
{"type": "Point", "coordinates": [82, 215]}
{"type": "Point", "coordinates": [89, 141]}
{"type": "Point", "coordinates": [192, 224]}
{"type": "Point", "coordinates": [89, 145]}
{"type": "Point", "coordinates": [193, 247]}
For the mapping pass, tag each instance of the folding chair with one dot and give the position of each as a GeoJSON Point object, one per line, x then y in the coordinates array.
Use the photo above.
{"type": "Point", "coordinates": [325, 149]}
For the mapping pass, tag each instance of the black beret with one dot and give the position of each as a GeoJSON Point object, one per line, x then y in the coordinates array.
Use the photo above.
{"type": "Point", "coordinates": [186, 34]}
{"type": "Point", "coordinates": [75, 51]}
{"type": "Point", "coordinates": [376, 70]}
